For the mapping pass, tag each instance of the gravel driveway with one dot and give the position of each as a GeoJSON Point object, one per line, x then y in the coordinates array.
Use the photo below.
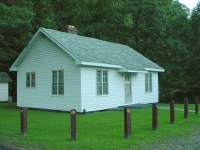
{"type": "Point", "coordinates": [5, 148]}
{"type": "Point", "coordinates": [191, 142]}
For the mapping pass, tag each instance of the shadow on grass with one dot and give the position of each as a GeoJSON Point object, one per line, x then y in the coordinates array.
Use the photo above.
{"type": "Point", "coordinates": [8, 105]}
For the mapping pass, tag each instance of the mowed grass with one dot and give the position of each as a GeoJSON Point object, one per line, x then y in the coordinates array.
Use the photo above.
{"type": "Point", "coordinates": [98, 130]}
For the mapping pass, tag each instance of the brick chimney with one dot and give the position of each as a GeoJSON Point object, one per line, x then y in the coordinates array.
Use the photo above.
{"type": "Point", "coordinates": [72, 29]}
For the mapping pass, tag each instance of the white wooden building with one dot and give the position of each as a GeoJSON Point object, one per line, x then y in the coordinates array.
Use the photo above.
{"type": "Point", "coordinates": [4, 86]}
{"type": "Point", "coordinates": [64, 71]}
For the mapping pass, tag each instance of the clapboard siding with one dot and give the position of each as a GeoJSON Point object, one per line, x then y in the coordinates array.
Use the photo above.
{"type": "Point", "coordinates": [44, 56]}
{"type": "Point", "coordinates": [90, 100]}
{"type": "Point", "coordinates": [3, 91]}
{"type": "Point", "coordinates": [138, 89]}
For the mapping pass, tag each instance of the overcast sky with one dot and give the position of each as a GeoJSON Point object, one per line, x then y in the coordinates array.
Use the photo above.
{"type": "Point", "coordinates": [189, 3]}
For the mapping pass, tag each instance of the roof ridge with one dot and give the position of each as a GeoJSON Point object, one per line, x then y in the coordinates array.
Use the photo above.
{"type": "Point", "coordinates": [83, 36]}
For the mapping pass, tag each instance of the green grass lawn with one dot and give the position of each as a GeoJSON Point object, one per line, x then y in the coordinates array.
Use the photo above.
{"type": "Point", "coordinates": [99, 130]}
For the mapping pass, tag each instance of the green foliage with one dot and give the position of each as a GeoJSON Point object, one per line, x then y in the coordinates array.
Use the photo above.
{"type": "Point", "coordinates": [194, 67]}
{"type": "Point", "coordinates": [162, 30]}
{"type": "Point", "coordinates": [15, 27]}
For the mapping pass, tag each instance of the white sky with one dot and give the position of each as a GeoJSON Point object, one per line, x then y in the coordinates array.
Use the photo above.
{"type": "Point", "coordinates": [189, 3]}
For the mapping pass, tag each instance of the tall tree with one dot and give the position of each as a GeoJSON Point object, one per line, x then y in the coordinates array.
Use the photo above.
{"type": "Point", "coordinates": [15, 29]}
{"type": "Point", "coordinates": [194, 68]}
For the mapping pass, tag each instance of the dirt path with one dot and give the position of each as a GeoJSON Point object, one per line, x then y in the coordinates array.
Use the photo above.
{"type": "Point", "coordinates": [177, 109]}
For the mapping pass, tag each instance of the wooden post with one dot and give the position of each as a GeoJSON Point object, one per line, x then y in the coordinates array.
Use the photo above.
{"type": "Point", "coordinates": [172, 111]}
{"type": "Point", "coordinates": [197, 105]}
{"type": "Point", "coordinates": [127, 122]}
{"type": "Point", "coordinates": [23, 120]}
{"type": "Point", "coordinates": [73, 124]}
{"type": "Point", "coordinates": [154, 116]}
{"type": "Point", "coordinates": [186, 108]}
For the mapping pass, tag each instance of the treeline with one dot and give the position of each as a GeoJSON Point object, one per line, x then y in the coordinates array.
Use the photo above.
{"type": "Point", "coordinates": [163, 30]}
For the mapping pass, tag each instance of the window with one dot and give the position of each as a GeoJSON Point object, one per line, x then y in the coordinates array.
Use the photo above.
{"type": "Point", "coordinates": [148, 82]}
{"type": "Point", "coordinates": [102, 82]}
{"type": "Point", "coordinates": [57, 82]}
{"type": "Point", "coordinates": [30, 79]}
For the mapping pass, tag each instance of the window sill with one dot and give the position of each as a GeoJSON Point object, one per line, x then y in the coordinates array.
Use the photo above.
{"type": "Point", "coordinates": [30, 87]}
{"type": "Point", "coordinates": [148, 92]}
{"type": "Point", "coordinates": [60, 96]}
{"type": "Point", "coordinates": [102, 95]}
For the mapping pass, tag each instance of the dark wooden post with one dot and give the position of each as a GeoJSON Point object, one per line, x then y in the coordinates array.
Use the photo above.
{"type": "Point", "coordinates": [197, 105]}
{"type": "Point", "coordinates": [23, 120]}
{"type": "Point", "coordinates": [127, 122]}
{"type": "Point", "coordinates": [172, 111]}
{"type": "Point", "coordinates": [73, 124]}
{"type": "Point", "coordinates": [154, 116]}
{"type": "Point", "coordinates": [186, 108]}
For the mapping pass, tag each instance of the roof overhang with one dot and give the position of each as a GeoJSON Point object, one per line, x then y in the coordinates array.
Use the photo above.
{"type": "Point", "coordinates": [156, 70]}
{"type": "Point", "coordinates": [100, 65]}
{"type": "Point", "coordinates": [132, 71]}
{"type": "Point", "coordinates": [121, 69]}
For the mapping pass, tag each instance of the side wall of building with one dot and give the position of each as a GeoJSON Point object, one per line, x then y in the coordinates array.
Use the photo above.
{"type": "Point", "coordinates": [44, 57]}
{"type": "Point", "coordinates": [3, 91]}
{"type": "Point", "coordinates": [116, 97]}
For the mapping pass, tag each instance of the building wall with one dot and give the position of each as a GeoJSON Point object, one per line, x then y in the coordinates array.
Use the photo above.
{"type": "Point", "coordinates": [3, 91]}
{"type": "Point", "coordinates": [45, 56]}
{"type": "Point", "coordinates": [138, 89]}
{"type": "Point", "coordinates": [90, 100]}
{"type": "Point", "coordinates": [116, 97]}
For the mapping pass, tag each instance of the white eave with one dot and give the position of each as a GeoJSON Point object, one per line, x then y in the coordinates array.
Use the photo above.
{"type": "Point", "coordinates": [100, 65]}
{"type": "Point", "coordinates": [156, 70]}
{"type": "Point", "coordinates": [132, 71]}
{"type": "Point", "coordinates": [121, 69]}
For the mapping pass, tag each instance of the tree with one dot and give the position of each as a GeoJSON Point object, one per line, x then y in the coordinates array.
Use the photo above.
{"type": "Point", "coordinates": [15, 30]}
{"type": "Point", "coordinates": [194, 68]}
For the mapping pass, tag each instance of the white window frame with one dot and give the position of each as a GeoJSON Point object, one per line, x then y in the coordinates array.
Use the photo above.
{"type": "Point", "coordinates": [58, 84]}
{"type": "Point", "coordinates": [31, 82]}
{"type": "Point", "coordinates": [148, 82]}
{"type": "Point", "coordinates": [102, 83]}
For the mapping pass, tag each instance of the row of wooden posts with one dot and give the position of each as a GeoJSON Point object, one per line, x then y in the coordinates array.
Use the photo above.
{"type": "Point", "coordinates": [127, 118]}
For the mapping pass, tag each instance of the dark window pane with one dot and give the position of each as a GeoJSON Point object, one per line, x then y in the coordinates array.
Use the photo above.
{"type": "Point", "coordinates": [54, 89]}
{"type": "Point", "coordinates": [105, 76]}
{"type": "Point", "coordinates": [146, 82]}
{"type": "Point", "coordinates": [33, 79]}
{"type": "Point", "coordinates": [105, 88]}
{"type": "Point", "coordinates": [60, 82]}
{"type": "Point", "coordinates": [61, 79]}
{"type": "Point", "coordinates": [60, 89]}
{"type": "Point", "coordinates": [99, 82]}
{"type": "Point", "coordinates": [99, 89]}
{"type": "Point", "coordinates": [54, 76]}
{"type": "Point", "coordinates": [54, 82]}
{"type": "Point", "coordinates": [99, 77]}
{"type": "Point", "coordinates": [150, 82]}
{"type": "Point", "coordinates": [28, 79]}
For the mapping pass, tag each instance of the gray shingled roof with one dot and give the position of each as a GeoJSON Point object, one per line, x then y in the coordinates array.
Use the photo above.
{"type": "Point", "coordinates": [4, 78]}
{"type": "Point", "coordinates": [98, 51]}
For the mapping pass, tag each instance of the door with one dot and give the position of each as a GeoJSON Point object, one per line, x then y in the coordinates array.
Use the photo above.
{"type": "Point", "coordinates": [128, 88]}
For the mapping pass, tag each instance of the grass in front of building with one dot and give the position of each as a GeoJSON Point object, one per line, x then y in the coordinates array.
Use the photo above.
{"type": "Point", "coordinates": [98, 130]}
